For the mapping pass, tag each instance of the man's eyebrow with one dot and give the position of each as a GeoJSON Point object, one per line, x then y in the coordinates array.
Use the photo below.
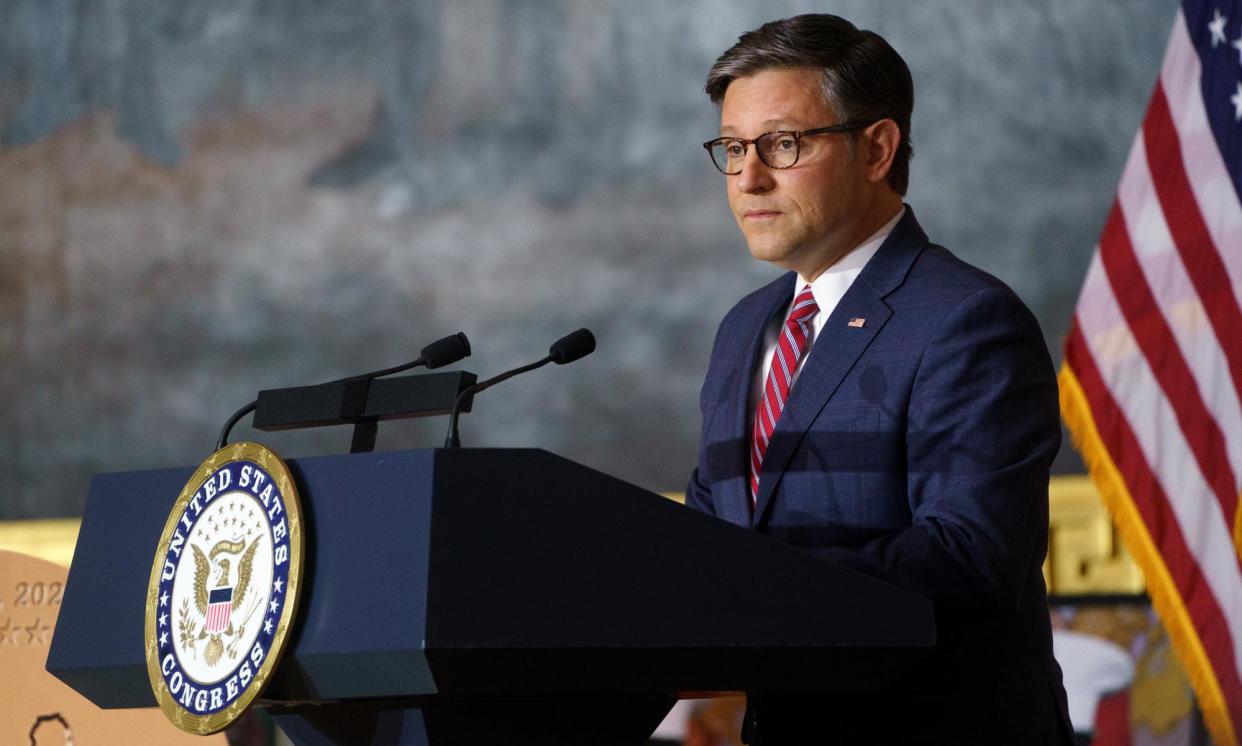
{"type": "Point", "coordinates": [768, 126]}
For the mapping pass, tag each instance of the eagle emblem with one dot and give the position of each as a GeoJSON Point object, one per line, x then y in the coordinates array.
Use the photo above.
{"type": "Point", "coordinates": [224, 587]}
{"type": "Point", "coordinates": [216, 604]}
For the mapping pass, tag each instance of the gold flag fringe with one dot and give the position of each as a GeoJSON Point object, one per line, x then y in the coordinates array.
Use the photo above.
{"type": "Point", "coordinates": [1164, 594]}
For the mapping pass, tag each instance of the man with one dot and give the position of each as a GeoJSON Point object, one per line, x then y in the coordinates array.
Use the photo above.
{"type": "Point", "coordinates": [882, 405]}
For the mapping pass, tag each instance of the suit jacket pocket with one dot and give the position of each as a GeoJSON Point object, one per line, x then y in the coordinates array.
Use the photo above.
{"type": "Point", "coordinates": [854, 440]}
{"type": "Point", "coordinates": [833, 431]}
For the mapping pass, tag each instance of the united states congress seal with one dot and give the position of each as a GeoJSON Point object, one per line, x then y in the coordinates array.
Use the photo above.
{"type": "Point", "coordinates": [224, 587]}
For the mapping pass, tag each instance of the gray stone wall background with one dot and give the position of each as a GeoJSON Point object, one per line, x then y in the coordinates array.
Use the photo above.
{"type": "Point", "coordinates": [199, 200]}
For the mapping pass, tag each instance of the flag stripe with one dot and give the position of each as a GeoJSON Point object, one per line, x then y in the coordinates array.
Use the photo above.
{"type": "Point", "coordinates": [1175, 294]}
{"type": "Point", "coordinates": [1152, 333]}
{"type": "Point", "coordinates": [1218, 202]}
{"type": "Point", "coordinates": [218, 616]}
{"type": "Point", "coordinates": [1095, 418]}
{"type": "Point", "coordinates": [1190, 234]}
{"type": "Point", "coordinates": [1130, 382]}
{"type": "Point", "coordinates": [1152, 502]}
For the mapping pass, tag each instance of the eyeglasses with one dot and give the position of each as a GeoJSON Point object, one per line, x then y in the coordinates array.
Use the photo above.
{"type": "Point", "coordinates": [779, 149]}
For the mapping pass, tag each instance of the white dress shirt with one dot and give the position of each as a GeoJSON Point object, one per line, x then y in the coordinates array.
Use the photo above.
{"type": "Point", "coordinates": [828, 290]}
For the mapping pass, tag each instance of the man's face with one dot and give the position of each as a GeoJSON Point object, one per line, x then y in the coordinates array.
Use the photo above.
{"type": "Point", "coordinates": [806, 217]}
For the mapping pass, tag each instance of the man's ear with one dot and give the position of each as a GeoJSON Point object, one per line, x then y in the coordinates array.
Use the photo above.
{"type": "Point", "coordinates": [882, 140]}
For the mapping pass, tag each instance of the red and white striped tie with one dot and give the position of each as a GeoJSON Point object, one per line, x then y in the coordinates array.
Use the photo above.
{"type": "Point", "coordinates": [789, 349]}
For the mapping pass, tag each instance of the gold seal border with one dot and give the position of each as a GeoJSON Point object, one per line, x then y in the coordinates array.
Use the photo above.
{"type": "Point", "coordinates": [259, 454]}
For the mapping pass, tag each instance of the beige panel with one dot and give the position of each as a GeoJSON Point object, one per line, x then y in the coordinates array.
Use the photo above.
{"type": "Point", "coordinates": [52, 539]}
{"type": "Point", "coordinates": [30, 697]}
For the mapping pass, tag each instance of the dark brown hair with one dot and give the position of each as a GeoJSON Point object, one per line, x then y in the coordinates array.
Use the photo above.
{"type": "Point", "coordinates": [864, 78]}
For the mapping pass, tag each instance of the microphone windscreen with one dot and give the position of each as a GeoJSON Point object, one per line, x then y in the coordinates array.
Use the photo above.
{"type": "Point", "coordinates": [572, 346]}
{"type": "Point", "coordinates": [446, 351]}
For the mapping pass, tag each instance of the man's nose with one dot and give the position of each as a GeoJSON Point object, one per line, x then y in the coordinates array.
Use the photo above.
{"type": "Point", "coordinates": [756, 176]}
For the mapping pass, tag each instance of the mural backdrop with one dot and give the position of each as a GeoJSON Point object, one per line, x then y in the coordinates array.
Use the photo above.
{"type": "Point", "coordinates": [200, 200]}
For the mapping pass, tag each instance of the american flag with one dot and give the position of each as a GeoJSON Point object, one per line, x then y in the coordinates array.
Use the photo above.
{"type": "Point", "coordinates": [219, 606]}
{"type": "Point", "coordinates": [1152, 373]}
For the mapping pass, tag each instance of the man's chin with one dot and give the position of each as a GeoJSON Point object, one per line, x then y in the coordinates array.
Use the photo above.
{"type": "Point", "coordinates": [766, 251]}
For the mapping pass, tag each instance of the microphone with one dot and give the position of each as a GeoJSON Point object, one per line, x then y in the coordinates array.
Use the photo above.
{"type": "Point", "coordinates": [444, 351]}
{"type": "Point", "coordinates": [571, 347]}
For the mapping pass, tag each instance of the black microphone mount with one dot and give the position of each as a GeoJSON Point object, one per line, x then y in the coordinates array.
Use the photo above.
{"type": "Point", "coordinates": [364, 400]}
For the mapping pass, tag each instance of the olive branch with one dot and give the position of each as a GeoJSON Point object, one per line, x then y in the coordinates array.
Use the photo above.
{"type": "Point", "coordinates": [185, 628]}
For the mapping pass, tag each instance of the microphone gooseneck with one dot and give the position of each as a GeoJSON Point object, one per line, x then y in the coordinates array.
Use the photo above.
{"type": "Point", "coordinates": [443, 351]}
{"type": "Point", "coordinates": [223, 440]}
{"type": "Point", "coordinates": [571, 347]}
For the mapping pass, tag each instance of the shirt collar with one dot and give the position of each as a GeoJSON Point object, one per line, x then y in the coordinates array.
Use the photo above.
{"type": "Point", "coordinates": [834, 281]}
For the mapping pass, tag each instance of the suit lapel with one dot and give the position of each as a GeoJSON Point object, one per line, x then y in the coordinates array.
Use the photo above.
{"type": "Point", "coordinates": [837, 349]}
{"type": "Point", "coordinates": [761, 308]}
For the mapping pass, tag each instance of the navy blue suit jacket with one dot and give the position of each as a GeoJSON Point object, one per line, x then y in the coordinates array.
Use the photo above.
{"type": "Point", "coordinates": [916, 448]}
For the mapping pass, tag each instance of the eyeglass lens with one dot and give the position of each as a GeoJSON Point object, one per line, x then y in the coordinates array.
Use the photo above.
{"type": "Point", "coordinates": [776, 149]}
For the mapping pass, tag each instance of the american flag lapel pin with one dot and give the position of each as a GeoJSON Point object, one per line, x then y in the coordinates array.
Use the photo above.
{"type": "Point", "coordinates": [856, 322]}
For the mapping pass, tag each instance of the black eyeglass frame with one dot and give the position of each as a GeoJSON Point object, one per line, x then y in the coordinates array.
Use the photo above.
{"type": "Point", "coordinates": [797, 136]}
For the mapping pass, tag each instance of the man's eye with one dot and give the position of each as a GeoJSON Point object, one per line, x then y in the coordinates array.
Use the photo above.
{"type": "Point", "coordinates": [735, 149]}
{"type": "Point", "coordinates": [785, 143]}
